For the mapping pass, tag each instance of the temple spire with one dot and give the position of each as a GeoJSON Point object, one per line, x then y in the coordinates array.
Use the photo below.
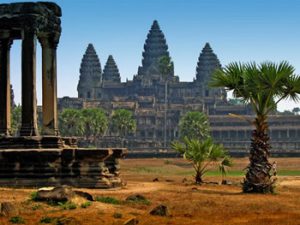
{"type": "Point", "coordinates": [90, 74]}
{"type": "Point", "coordinates": [154, 48]}
{"type": "Point", "coordinates": [111, 72]}
{"type": "Point", "coordinates": [208, 62]}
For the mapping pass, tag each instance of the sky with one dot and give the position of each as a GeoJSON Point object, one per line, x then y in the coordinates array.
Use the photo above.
{"type": "Point", "coordinates": [247, 30]}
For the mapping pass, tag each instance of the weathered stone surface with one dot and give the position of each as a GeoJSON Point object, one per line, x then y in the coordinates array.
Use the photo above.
{"type": "Point", "coordinates": [62, 194]}
{"type": "Point", "coordinates": [132, 221]}
{"type": "Point", "coordinates": [136, 197]}
{"type": "Point", "coordinates": [160, 210]}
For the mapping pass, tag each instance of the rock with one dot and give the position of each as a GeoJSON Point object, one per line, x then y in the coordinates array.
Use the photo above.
{"type": "Point", "coordinates": [85, 195]}
{"type": "Point", "coordinates": [226, 182]}
{"type": "Point", "coordinates": [155, 179]}
{"type": "Point", "coordinates": [132, 221]}
{"type": "Point", "coordinates": [8, 209]}
{"type": "Point", "coordinates": [169, 180]}
{"type": "Point", "coordinates": [160, 210]}
{"type": "Point", "coordinates": [62, 194]}
{"type": "Point", "coordinates": [136, 197]}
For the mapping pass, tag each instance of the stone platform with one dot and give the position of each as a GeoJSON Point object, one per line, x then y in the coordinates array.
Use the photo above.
{"type": "Point", "coordinates": [85, 168]}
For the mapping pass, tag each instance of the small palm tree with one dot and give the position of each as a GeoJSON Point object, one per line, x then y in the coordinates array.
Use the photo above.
{"type": "Point", "coordinates": [194, 125]}
{"type": "Point", "coordinates": [166, 67]}
{"type": "Point", "coordinates": [224, 164]}
{"type": "Point", "coordinates": [201, 153]}
{"type": "Point", "coordinates": [262, 86]}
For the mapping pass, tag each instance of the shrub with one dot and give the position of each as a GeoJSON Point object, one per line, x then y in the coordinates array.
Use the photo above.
{"type": "Point", "coordinates": [67, 205]}
{"type": "Point", "coordinates": [17, 220]}
{"type": "Point", "coordinates": [85, 204]}
{"type": "Point", "coordinates": [109, 200]}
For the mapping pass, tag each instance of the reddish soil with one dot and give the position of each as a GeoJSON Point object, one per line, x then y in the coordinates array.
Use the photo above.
{"type": "Point", "coordinates": [187, 203]}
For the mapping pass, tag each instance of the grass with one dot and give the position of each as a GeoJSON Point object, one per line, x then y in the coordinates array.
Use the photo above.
{"type": "Point", "coordinates": [85, 205]}
{"type": "Point", "coordinates": [47, 220]}
{"type": "Point", "coordinates": [177, 171]}
{"type": "Point", "coordinates": [109, 200]}
{"type": "Point", "coordinates": [17, 220]}
{"type": "Point", "coordinates": [67, 205]}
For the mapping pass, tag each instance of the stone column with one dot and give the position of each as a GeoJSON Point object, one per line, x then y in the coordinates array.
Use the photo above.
{"type": "Point", "coordinates": [29, 100]}
{"type": "Point", "coordinates": [5, 98]}
{"type": "Point", "coordinates": [49, 80]}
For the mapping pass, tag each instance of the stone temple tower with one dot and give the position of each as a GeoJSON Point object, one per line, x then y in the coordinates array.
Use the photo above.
{"type": "Point", "coordinates": [111, 72]}
{"type": "Point", "coordinates": [90, 74]}
{"type": "Point", "coordinates": [154, 48]}
{"type": "Point", "coordinates": [208, 62]}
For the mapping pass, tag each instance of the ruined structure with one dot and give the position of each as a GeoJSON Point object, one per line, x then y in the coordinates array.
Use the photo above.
{"type": "Point", "coordinates": [144, 95]}
{"type": "Point", "coordinates": [32, 159]}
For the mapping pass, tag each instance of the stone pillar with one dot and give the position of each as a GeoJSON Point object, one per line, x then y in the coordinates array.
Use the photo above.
{"type": "Point", "coordinates": [49, 80]}
{"type": "Point", "coordinates": [29, 100]}
{"type": "Point", "coordinates": [5, 98]}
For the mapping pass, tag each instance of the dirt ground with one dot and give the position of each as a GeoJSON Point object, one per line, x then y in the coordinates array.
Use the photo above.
{"type": "Point", "coordinates": [187, 203]}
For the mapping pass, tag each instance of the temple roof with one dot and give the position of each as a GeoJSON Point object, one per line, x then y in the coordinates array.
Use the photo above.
{"type": "Point", "coordinates": [90, 68]}
{"type": "Point", "coordinates": [154, 48]}
{"type": "Point", "coordinates": [208, 62]}
{"type": "Point", "coordinates": [111, 71]}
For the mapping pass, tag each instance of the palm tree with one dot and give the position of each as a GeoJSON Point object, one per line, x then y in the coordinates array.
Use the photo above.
{"type": "Point", "coordinates": [71, 122]}
{"type": "Point", "coordinates": [200, 153]}
{"type": "Point", "coordinates": [95, 123]}
{"type": "Point", "coordinates": [166, 67]}
{"type": "Point", "coordinates": [263, 86]}
{"type": "Point", "coordinates": [122, 122]}
{"type": "Point", "coordinates": [194, 125]}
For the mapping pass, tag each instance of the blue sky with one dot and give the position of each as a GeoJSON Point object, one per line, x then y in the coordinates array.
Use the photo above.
{"type": "Point", "coordinates": [247, 30]}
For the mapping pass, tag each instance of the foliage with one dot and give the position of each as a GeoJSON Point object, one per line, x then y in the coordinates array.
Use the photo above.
{"type": "Point", "coordinates": [86, 204]}
{"type": "Point", "coordinates": [194, 125]}
{"type": "Point", "coordinates": [200, 153]}
{"type": "Point", "coordinates": [296, 110]}
{"type": "Point", "coordinates": [16, 118]}
{"type": "Point", "coordinates": [122, 122]}
{"type": "Point", "coordinates": [224, 164]}
{"type": "Point", "coordinates": [34, 196]}
{"type": "Point", "coordinates": [17, 220]}
{"type": "Point", "coordinates": [95, 123]}
{"type": "Point", "coordinates": [47, 220]}
{"type": "Point", "coordinates": [109, 200]}
{"type": "Point", "coordinates": [71, 122]}
{"type": "Point", "coordinates": [263, 86]}
{"type": "Point", "coordinates": [67, 205]}
{"type": "Point", "coordinates": [166, 66]}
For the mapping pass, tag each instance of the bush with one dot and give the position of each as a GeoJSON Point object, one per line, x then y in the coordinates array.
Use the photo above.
{"type": "Point", "coordinates": [34, 196]}
{"type": "Point", "coordinates": [85, 205]}
{"type": "Point", "coordinates": [67, 205]}
{"type": "Point", "coordinates": [117, 215]}
{"type": "Point", "coordinates": [17, 220]}
{"type": "Point", "coordinates": [109, 200]}
{"type": "Point", "coordinates": [46, 220]}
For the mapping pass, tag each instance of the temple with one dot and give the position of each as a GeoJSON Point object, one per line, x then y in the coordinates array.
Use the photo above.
{"type": "Point", "coordinates": [144, 95]}
{"type": "Point", "coordinates": [31, 158]}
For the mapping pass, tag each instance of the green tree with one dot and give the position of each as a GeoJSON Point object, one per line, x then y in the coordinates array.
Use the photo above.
{"type": "Point", "coordinates": [16, 119]}
{"type": "Point", "coordinates": [201, 153]}
{"type": "Point", "coordinates": [166, 67]}
{"type": "Point", "coordinates": [194, 125]}
{"type": "Point", "coordinates": [71, 122]}
{"type": "Point", "coordinates": [122, 122]}
{"type": "Point", "coordinates": [223, 166]}
{"type": "Point", "coordinates": [263, 86]}
{"type": "Point", "coordinates": [95, 123]}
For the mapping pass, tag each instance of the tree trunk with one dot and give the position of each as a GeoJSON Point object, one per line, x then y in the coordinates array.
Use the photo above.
{"type": "Point", "coordinates": [198, 178]}
{"type": "Point", "coordinates": [259, 178]}
{"type": "Point", "coordinates": [165, 115]}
